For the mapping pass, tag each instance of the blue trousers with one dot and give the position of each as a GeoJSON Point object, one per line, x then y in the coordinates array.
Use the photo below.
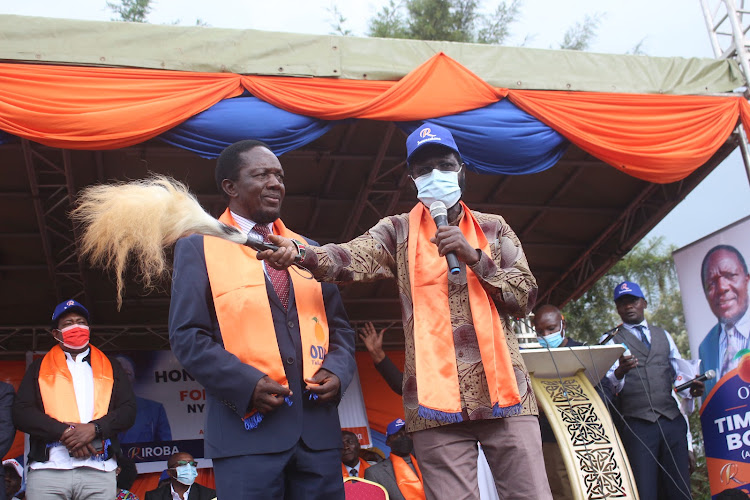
{"type": "Point", "coordinates": [296, 474]}
{"type": "Point", "coordinates": [670, 449]}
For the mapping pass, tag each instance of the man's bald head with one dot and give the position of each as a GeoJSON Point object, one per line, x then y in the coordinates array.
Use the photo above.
{"type": "Point", "coordinates": [547, 319]}
{"type": "Point", "coordinates": [180, 456]}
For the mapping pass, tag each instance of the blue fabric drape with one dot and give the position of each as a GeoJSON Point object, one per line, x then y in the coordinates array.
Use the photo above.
{"type": "Point", "coordinates": [501, 139]}
{"type": "Point", "coordinates": [232, 120]}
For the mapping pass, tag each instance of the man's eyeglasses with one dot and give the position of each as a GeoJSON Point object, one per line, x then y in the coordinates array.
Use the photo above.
{"type": "Point", "coordinates": [184, 462]}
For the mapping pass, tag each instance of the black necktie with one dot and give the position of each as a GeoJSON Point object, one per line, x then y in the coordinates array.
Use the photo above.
{"type": "Point", "coordinates": [644, 339]}
{"type": "Point", "coordinates": [353, 472]}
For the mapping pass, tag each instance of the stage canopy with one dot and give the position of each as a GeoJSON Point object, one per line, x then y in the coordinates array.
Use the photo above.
{"type": "Point", "coordinates": [582, 153]}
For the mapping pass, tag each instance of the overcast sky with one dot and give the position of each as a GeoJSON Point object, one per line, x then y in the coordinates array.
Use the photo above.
{"type": "Point", "coordinates": [673, 28]}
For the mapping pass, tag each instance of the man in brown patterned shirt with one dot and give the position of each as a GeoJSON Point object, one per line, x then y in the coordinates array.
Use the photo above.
{"type": "Point", "coordinates": [447, 447]}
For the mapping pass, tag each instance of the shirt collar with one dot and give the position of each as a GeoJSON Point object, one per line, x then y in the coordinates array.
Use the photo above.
{"type": "Point", "coordinates": [174, 493]}
{"type": "Point", "coordinates": [80, 357]}
{"type": "Point", "coordinates": [247, 224]}
{"type": "Point", "coordinates": [742, 327]}
{"type": "Point", "coordinates": [631, 326]}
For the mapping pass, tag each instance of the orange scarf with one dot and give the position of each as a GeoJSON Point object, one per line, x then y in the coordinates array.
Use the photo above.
{"type": "Point", "coordinates": [56, 385]}
{"type": "Point", "coordinates": [408, 483]}
{"type": "Point", "coordinates": [238, 287]}
{"type": "Point", "coordinates": [363, 465]}
{"type": "Point", "coordinates": [435, 355]}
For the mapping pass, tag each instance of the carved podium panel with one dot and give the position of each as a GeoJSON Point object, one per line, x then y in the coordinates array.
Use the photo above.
{"type": "Point", "coordinates": [591, 448]}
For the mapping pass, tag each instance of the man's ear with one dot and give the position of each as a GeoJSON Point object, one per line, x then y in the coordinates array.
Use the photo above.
{"type": "Point", "coordinates": [229, 188]}
{"type": "Point", "coordinates": [56, 334]}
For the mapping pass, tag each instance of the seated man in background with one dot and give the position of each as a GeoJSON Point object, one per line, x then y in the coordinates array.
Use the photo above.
{"type": "Point", "coordinates": [182, 470]}
{"type": "Point", "coordinates": [351, 463]}
{"type": "Point", "coordinates": [400, 474]}
{"type": "Point", "coordinates": [550, 325]}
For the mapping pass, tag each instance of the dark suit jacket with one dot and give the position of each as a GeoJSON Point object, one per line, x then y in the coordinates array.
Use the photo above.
{"type": "Point", "coordinates": [382, 473]}
{"type": "Point", "coordinates": [197, 492]}
{"type": "Point", "coordinates": [197, 343]}
{"type": "Point", "coordinates": [709, 355]}
{"type": "Point", "coordinates": [29, 416]}
{"type": "Point", "coordinates": [7, 431]}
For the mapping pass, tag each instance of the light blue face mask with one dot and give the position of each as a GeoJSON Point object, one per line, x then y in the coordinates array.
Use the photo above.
{"type": "Point", "coordinates": [553, 339]}
{"type": "Point", "coordinates": [438, 186]}
{"type": "Point", "coordinates": [186, 474]}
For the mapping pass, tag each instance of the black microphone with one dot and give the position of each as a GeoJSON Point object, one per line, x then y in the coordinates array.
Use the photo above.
{"type": "Point", "coordinates": [440, 216]}
{"type": "Point", "coordinates": [611, 333]}
{"type": "Point", "coordinates": [700, 378]}
{"type": "Point", "coordinates": [255, 241]}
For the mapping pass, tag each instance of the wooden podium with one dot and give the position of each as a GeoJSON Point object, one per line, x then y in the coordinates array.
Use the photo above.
{"type": "Point", "coordinates": [563, 380]}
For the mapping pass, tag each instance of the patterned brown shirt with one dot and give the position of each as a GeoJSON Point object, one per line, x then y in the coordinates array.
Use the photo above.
{"type": "Point", "coordinates": [382, 253]}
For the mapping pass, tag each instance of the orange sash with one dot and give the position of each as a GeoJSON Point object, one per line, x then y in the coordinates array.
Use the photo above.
{"type": "Point", "coordinates": [437, 375]}
{"type": "Point", "coordinates": [56, 385]}
{"type": "Point", "coordinates": [363, 465]}
{"type": "Point", "coordinates": [408, 483]}
{"type": "Point", "coordinates": [238, 287]}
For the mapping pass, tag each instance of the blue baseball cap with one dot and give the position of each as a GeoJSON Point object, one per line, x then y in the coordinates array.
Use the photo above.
{"type": "Point", "coordinates": [628, 288]}
{"type": "Point", "coordinates": [429, 133]}
{"type": "Point", "coordinates": [394, 427]}
{"type": "Point", "coordinates": [68, 306]}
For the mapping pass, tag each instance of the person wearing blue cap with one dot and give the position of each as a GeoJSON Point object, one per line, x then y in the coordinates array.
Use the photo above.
{"type": "Point", "coordinates": [72, 403]}
{"type": "Point", "coordinates": [460, 275]}
{"type": "Point", "coordinates": [653, 430]}
{"type": "Point", "coordinates": [399, 474]}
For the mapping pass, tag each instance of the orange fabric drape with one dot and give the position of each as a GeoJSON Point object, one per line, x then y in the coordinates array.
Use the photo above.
{"type": "Point", "coordinates": [103, 108]}
{"type": "Point", "coordinates": [657, 138]}
{"type": "Point", "coordinates": [438, 87]}
{"type": "Point", "coordinates": [149, 481]}
{"type": "Point", "coordinates": [383, 406]}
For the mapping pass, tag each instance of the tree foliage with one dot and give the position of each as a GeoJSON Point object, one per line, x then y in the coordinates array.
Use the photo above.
{"type": "Point", "coordinates": [464, 21]}
{"type": "Point", "coordinates": [132, 11]}
{"type": "Point", "coordinates": [581, 34]}
{"type": "Point", "coordinates": [446, 20]}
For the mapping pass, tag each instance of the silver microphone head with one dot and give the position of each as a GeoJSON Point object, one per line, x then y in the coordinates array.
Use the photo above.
{"type": "Point", "coordinates": [710, 374]}
{"type": "Point", "coordinates": [438, 208]}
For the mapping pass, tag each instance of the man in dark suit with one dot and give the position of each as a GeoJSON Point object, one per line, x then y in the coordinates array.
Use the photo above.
{"type": "Point", "coordinates": [182, 470]}
{"type": "Point", "coordinates": [400, 474]}
{"type": "Point", "coordinates": [273, 350]}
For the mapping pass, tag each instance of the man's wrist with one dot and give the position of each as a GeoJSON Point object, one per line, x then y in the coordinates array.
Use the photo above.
{"type": "Point", "coordinates": [377, 356]}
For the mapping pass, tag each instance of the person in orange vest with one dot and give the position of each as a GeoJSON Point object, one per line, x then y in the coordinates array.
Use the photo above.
{"type": "Point", "coordinates": [400, 474]}
{"type": "Point", "coordinates": [351, 463]}
{"type": "Point", "coordinates": [72, 403]}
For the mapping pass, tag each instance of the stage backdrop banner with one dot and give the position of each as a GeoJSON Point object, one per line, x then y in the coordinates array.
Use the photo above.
{"type": "Point", "coordinates": [352, 413]}
{"type": "Point", "coordinates": [171, 406]}
{"type": "Point", "coordinates": [725, 413]}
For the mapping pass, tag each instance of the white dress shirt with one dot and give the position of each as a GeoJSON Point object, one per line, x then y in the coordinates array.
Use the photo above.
{"type": "Point", "coordinates": [674, 353]}
{"type": "Point", "coordinates": [83, 385]}
{"type": "Point", "coordinates": [247, 225]}
{"type": "Point", "coordinates": [176, 496]}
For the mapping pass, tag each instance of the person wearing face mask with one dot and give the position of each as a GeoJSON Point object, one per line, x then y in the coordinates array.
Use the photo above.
{"type": "Point", "coordinates": [399, 474]}
{"type": "Point", "coordinates": [464, 379]}
{"type": "Point", "coordinates": [72, 403]}
{"type": "Point", "coordinates": [182, 470]}
{"type": "Point", "coordinates": [550, 327]}
{"type": "Point", "coordinates": [549, 324]}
